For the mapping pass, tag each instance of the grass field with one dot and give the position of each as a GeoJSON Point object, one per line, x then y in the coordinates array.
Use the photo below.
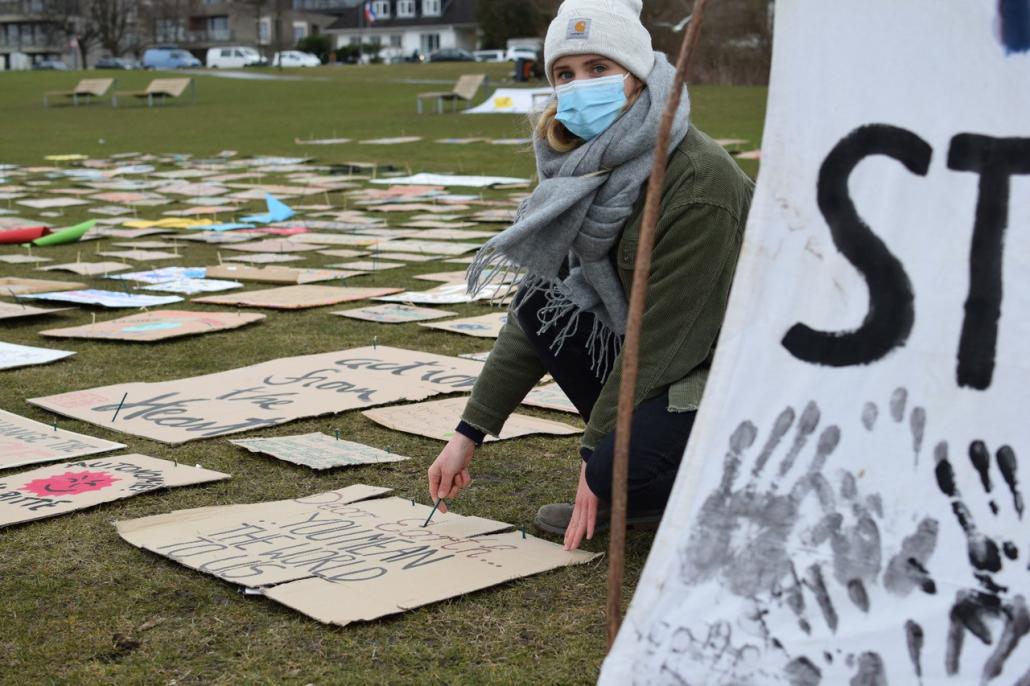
{"type": "Point", "coordinates": [81, 606]}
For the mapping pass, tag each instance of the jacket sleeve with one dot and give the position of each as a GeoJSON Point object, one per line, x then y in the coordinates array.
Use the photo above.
{"type": "Point", "coordinates": [694, 257]}
{"type": "Point", "coordinates": [509, 373]}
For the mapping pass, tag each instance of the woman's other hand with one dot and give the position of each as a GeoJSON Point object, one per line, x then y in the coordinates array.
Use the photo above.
{"type": "Point", "coordinates": [584, 513]}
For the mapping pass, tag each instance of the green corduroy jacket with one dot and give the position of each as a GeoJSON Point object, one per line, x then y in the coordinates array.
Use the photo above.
{"type": "Point", "coordinates": [704, 206]}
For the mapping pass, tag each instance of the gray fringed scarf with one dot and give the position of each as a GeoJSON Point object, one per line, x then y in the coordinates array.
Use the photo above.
{"type": "Point", "coordinates": [577, 211]}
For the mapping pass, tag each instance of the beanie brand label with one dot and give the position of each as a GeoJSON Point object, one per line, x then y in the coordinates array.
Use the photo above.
{"type": "Point", "coordinates": [578, 28]}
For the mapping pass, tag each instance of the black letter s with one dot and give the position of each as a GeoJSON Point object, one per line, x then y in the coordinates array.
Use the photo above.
{"type": "Point", "coordinates": [891, 312]}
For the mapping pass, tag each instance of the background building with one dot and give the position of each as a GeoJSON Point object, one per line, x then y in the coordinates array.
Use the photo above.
{"type": "Point", "coordinates": [409, 25]}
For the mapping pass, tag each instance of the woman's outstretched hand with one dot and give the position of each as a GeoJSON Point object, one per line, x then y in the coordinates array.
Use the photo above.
{"type": "Point", "coordinates": [584, 513]}
{"type": "Point", "coordinates": [449, 474]}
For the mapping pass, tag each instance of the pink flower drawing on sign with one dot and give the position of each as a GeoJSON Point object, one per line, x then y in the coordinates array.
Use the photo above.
{"type": "Point", "coordinates": [70, 483]}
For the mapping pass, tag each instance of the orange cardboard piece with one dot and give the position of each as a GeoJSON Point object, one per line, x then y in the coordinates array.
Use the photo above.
{"type": "Point", "coordinates": [266, 394]}
{"type": "Point", "coordinates": [16, 310]}
{"type": "Point", "coordinates": [296, 297]}
{"type": "Point", "coordinates": [437, 419]}
{"type": "Point", "coordinates": [87, 268]}
{"type": "Point", "coordinates": [315, 555]}
{"type": "Point", "coordinates": [277, 274]}
{"type": "Point", "coordinates": [24, 441]}
{"type": "Point", "coordinates": [11, 285]}
{"type": "Point", "coordinates": [59, 489]}
{"type": "Point", "coordinates": [147, 327]}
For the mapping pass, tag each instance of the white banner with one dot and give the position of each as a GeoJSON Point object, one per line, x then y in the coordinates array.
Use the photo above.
{"type": "Point", "coordinates": [851, 505]}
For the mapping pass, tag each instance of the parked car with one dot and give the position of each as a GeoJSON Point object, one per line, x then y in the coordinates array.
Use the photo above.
{"type": "Point", "coordinates": [169, 58]}
{"type": "Point", "coordinates": [451, 55]}
{"type": "Point", "coordinates": [489, 55]}
{"type": "Point", "coordinates": [109, 62]}
{"type": "Point", "coordinates": [50, 65]}
{"type": "Point", "coordinates": [295, 58]}
{"type": "Point", "coordinates": [515, 54]}
{"type": "Point", "coordinates": [234, 57]}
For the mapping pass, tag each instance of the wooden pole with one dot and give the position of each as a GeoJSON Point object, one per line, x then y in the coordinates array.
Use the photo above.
{"type": "Point", "coordinates": [631, 345]}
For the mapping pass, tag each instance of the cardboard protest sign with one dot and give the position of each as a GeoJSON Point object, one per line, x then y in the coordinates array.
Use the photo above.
{"type": "Point", "coordinates": [550, 397]}
{"type": "Point", "coordinates": [86, 268]}
{"type": "Point", "coordinates": [339, 560]}
{"type": "Point", "coordinates": [343, 252]}
{"type": "Point", "coordinates": [394, 314]}
{"type": "Point", "coordinates": [12, 355]}
{"type": "Point", "coordinates": [142, 255]}
{"type": "Point", "coordinates": [296, 297]}
{"type": "Point", "coordinates": [318, 451]}
{"type": "Point", "coordinates": [163, 275]}
{"type": "Point", "coordinates": [49, 203]}
{"type": "Point", "coordinates": [332, 239]}
{"type": "Point", "coordinates": [159, 325]}
{"type": "Point", "coordinates": [273, 274]}
{"type": "Point", "coordinates": [24, 441]}
{"type": "Point", "coordinates": [15, 311]}
{"type": "Point", "coordinates": [448, 294]}
{"type": "Point", "coordinates": [483, 326]}
{"type": "Point", "coordinates": [59, 489]}
{"type": "Point", "coordinates": [851, 505]}
{"type": "Point", "coordinates": [263, 258]}
{"type": "Point", "coordinates": [426, 179]}
{"type": "Point", "coordinates": [266, 394]}
{"type": "Point", "coordinates": [102, 298]}
{"type": "Point", "coordinates": [437, 419]}
{"type": "Point", "coordinates": [396, 140]}
{"type": "Point", "coordinates": [405, 257]}
{"type": "Point", "coordinates": [412, 245]}
{"type": "Point", "coordinates": [373, 265]}
{"type": "Point", "coordinates": [274, 245]}
{"type": "Point", "coordinates": [24, 259]}
{"type": "Point", "coordinates": [12, 285]}
{"type": "Point", "coordinates": [189, 286]}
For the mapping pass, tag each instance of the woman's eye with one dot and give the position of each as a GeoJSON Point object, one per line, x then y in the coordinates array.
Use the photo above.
{"type": "Point", "coordinates": [564, 76]}
{"type": "Point", "coordinates": [600, 68]}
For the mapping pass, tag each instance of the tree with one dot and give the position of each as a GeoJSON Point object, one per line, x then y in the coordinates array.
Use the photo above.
{"type": "Point", "coordinates": [318, 44]}
{"type": "Point", "coordinates": [500, 20]}
{"type": "Point", "coordinates": [67, 20]}
{"type": "Point", "coordinates": [112, 19]}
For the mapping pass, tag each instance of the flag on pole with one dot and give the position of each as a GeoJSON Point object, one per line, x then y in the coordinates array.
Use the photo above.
{"type": "Point", "coordinates": [370, 14]}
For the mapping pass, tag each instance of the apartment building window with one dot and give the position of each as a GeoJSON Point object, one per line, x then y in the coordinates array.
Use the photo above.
{"type": "Point", "coordinates": [405, 8]}
{"type": "Point", "coordinates": [431, 8]}
{"type": "Point", "coordinates": [396, 40]}
{"type": "Point", "coordinates": [265, 30]}
{"type": "Point", "coordinates": [300, 31]}
{"type": "Point", "coordinates": [381, 8]}
{"type": "Point", "coordinates": [218, 28]}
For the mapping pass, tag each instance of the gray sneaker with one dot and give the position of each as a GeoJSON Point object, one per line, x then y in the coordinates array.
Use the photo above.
{"type": "Point", "coordinates": [554, 519]}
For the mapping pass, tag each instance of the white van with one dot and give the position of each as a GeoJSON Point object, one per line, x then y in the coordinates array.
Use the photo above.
{"type": "Point", "coordinates": [234, 57]}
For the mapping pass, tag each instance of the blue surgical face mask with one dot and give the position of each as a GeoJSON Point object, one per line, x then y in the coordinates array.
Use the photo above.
{"type": "Point", "coordinates": [589, 106]}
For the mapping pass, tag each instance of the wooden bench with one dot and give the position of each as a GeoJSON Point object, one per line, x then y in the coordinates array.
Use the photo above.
{"type": "Point", "coordinates": [160, 88]}
{"type": "Point", "coordinates": [465, 89]}
{"type": "Point", "coordinates": [87, 88]}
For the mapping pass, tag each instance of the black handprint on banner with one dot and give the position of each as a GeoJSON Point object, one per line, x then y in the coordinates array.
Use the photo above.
{"type": "Point", "coordinates": [896, 407]}
{"type": "Point", "coordinates": [975, 609]}
{"type": "Point", "coordinates": [741, 532]}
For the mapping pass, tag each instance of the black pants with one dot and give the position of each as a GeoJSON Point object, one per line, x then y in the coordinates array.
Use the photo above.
{"type": "Point", "coordinates": [657, 439]}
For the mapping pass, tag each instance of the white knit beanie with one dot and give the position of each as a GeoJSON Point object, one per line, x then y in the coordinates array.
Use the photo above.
{"type": "Point", "coordinates": [610, 28]}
